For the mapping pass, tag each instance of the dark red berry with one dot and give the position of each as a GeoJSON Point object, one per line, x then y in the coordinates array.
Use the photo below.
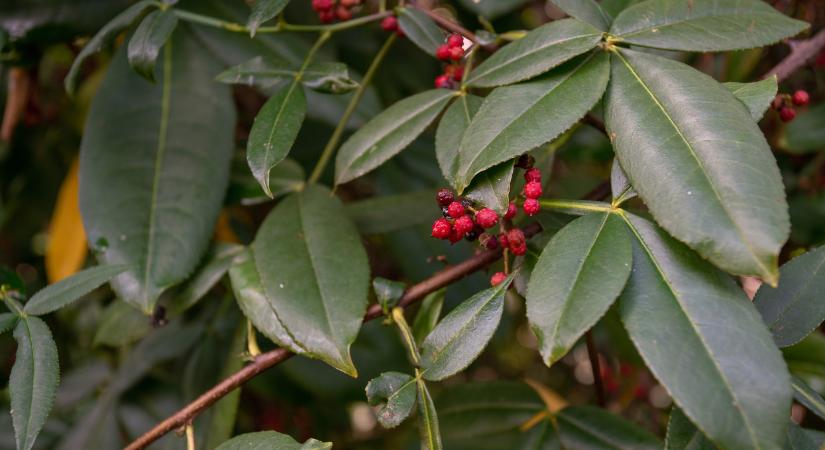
{"type": "Point", "coordinates": [343, 13]}
{"type": "Point", "coordinates": [444, 197]}
{"type": "Point", "coordinates": [488, 241]}
{"type": "Point", "coordinates": [778, 102]}
{"type": "Point", "coordinates": [389, 23]}
{"type": "Point", "coordinates": [497, 278]}
{"type": "Point", "coordinates": [801, 98]}
{"type": "Point", "coordinates": [787, 114]}
{"type": "Point", "coordinates": [472, 235]}
{"type": "Point", "coordinates": [442, 229]}
{"type": "Point", "coordinates": [532, 175]}
{"type": "Point", "coordinates": [487, 218]}
{"type": "Point", "coordinates": [456, 53]}
{"type": "Point", "coordinates": [502, 240]}
{"type": "Point", "coordinates": [322, 5]}
{"type": "Point", "coordinates": [455, 210]}
{"type": "Point", "coordinates": [443, 52]}
{"type": "Point", "coordinates": [458, 73]}
{"type": "Point", "coordinates": [525, 161]}
{"type": "Point", "coordinates": [532, 189]}
{"type": "Point", "coordinates": [511, 211]}
{"type": "Point", "coordinates": [464, 225]}
{"type": "Point", "coordinates": [326, 16]}
{"type": "Point", "coordinates": [442, 82]}
{"type": "Point", "coordinates": [455, 40]}
{"type": "Point", "coordinates": [531, 206]}
{"type": "Point", "coordinates": [517, 242]}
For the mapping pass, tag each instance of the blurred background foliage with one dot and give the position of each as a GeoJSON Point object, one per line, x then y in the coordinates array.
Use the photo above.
{"type": "Point", "coordinates": [122, 372]}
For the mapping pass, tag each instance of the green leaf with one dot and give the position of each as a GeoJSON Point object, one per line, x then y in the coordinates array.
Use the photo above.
{"type": "Point", "coordinates": [388, 133]}
{"type": "Point", "coordinates": [33, 381]}
{"type": "Point", "coordinates": [428, 427]}
{"type": "Point", "coordinates": [491, 188]}
{"type": "Point", "coordinates": [703, 25]}
{"type": "Point", "coordinates": [806, 134]}
{"type": "Point", "coordinates": [371, 218]}
{"type": "Point", "coordinates": [800, 439]}
{"type": "Point", "coordinates": [806, 358]}
{"type": "Point", "coordinates": [667, 118]}
{"type": "Point", "coordinates": [463, 333]}
{"type": "Point", "coordinates": [394, 394]}
{"type": "Point", "coordinates": [539, 51]}
{"type": "Point", "coordinates": [620, 187]}
{"type": "Point", "coordinates": [215, 266]}
{"type": "Point", "coordinates": [147, 40]}
{"type": "Point", "coordinates": [106, 34]}
{"type": "Point", "coordinates": [580, 273]}
{"type": "Point", "coordinates": [121, 324]}
{"type": "Point", "coordinates": [683, 435]}
{"type": "Point", "coordinates": [808, 397]}
{"type": "Point", "coordinates": [263, 10]}
{"type": "Point", "coordinates": [756, 96]}
{"type": "Point", "coordinates": [795, 308]}
{"type": "Point", "coordinates": [586, 11]}
{"type": "Point", "coordinates": [588, 427]}
{"type": "Point", "coordinates": [299, 251]}
{"type": "Point", "coordinates": [704, 341]}
{"type": "Point", "coordinates": [388, 292]}
{"type": "Point", "coordinates": [420, 29]}
{"type": "Point", "coordinates": [269, 440]}
{"type": "Point", "coordinates": [451, 129]}
{"type": "Point", "coordinates": [327, 77]}
{"type": "Point", "coordinates": [7, 321]}
{"type": "Point", "coordinates": [515, 119]}
{"type": "Point", "coordinates": [274, 131]}
{"type": "Point", "coordinates": [153, 203]}
{"type": "Point", "coordinates": [288, 176]}
{"type": "Point", "coordinates": [427, 316]}
{"type": "Point", "coordinates": [69, 289]}
{"type": "Point", "coordinates": [491, 9]}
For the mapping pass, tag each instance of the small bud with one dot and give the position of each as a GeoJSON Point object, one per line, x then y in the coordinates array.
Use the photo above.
{"type": "Point", "coordinates": [511, 211]}
{"type": "Point", "coordinates": [442, 82]}
{"type": "Point", "coordinates": [787, 114]}
{"type": "Point", "coordinates": [497, 278]}
{"type": "Point", "coordinates": [801, 98]}
{"type": "Point", "coordinates": [389, 23]}
{"type": "Point", "coordinates": [778, 102]}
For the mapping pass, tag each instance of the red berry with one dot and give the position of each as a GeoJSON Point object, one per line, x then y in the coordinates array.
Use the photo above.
{"type": "Point", "coordinates": [343, 13]}
{"type": "Point", "coordinates": [389, 23]}
{"type": "Point", "coordinates": [531, 206]}
{"type": "Point", "coordinates": [532, 189]}
{"type": "Point", "coordinates": [497, 278]}
{"type": "Point", "coordinates": [787, 114]}
{"type": "Point", "coordinates": [322, 5]}
{"type": "Point", "coordinates": [458, 73]}
{"type": "Point", "coordinates": [442, 82]}
{"type": "Point", "coordinates": [443, 52]}
{"type": "Point", "coordinates": [399, 32]}
{"type": "Point", "coordinates": [488, 241]}
{"type": "Point", "coordinates": [532, 175]}
{"type": "Point", "coordinates": [456, 53]}
{"type": "Point", "coordinates": [517, 242]}
{"type": "Point", "coordinates": [326, 16]}
{"type": "Point", "coordinates": [778, 102]}
{"type": "Point", "coordinates": [455, 236]}
{"type": "Point", "coordinates": [455, 40]}
{"type": "Point", "coordinates": [502, 240]}
{"type": "Point", "coordinates": [349, 3]}
{"type": "Point", "coordinates": [442, 229]}
{"type": "Point", "coordinates": [455, 209]}
{"type": "Point", "coordinates": [487, 218]}
{"type": "Point", "coordinates": [801, 98]}
{"type": "Point", "coordinates": [444, 197]}
{"type": "Point", "coordinates": [511, 211]}
{"type": "Point", "coordinates": [464, 225]}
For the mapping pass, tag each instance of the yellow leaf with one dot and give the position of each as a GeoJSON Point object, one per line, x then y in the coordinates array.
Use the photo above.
{"type": "Point", "coordinates": [66, 249]}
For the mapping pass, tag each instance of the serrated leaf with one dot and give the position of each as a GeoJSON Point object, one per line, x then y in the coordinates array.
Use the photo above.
{"type": "Point", "coordinates": [154, 202]}
{"type": "Point", "coordinates": [420, 29]}
{"type": "Point", "coordinates": [756, 96]}
{"type": "Point", "coordinates": [690, 149]}
{"type": "Point", "coordinates": [451, 129]}
{"type": "Point", "coordinates": [808, 397]}
{"type": "Point", "coordinates": [394, 394]}
{"type": "Point", "coordinates": [795, 308]}
{"type": "Point", "coordinates": [299, 251]}
{"type": "Point", "coordinates": [588, 427]}
{"type": "Point", "coordinates": [67, 290]}
{"type": "Point", "coordinates": [388, 133]}
{"type": "Point", "coordinates": [539, 51]}
{"type": "Point", "coordinates": [704, 25]}
{"type": "Point", "coordinates": [534, 113]}
{"type": "Point", "coordinates": [806, 134]}
{"type": "Point", "coordinates": [428, 314]}
{"type": "Point", "coordinates": [428, 427]}
{"type": "Point", "coordinates": [33, 381]}
{"type": "Point", "coordinates": [269, 440]}
{"type": "Point", "coordinates": [679, 310]}
{"type": "Point", "coordinates": [370, 216]}
{"type": "Point", "coordinates": [388, 292]}
{"type": "Point", "coordinates": [580, 273]}
{"type": "Point", "coordinates": [274, 131]}
{"type": "Point", "coordinates": [106, 34]}
{"type": "Point", "coordinates": [216, 263]}
{"type": "Point", "coordinates": [7, 321]}
{"type": "Point", "coordinates": [491, 188]}
{"type": "Point", "coordinates": [587, 11]}
{"type": "Point", "coordinates": [148, 39]}
{"type": "Point", "coordinates": [620, 187]}
{"type": "Point", "coordinates": [263, 10]}
{"type": "Point", "coordinates": [683, 435]}
{"type": "Point", "coordinates": [463, 333]}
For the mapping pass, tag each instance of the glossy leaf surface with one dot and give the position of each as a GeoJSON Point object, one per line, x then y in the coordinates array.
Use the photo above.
{"type": "Point", "coordinates": [148, 39]}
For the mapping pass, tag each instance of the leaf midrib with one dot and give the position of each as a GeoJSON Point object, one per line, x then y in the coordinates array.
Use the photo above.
{"type": "Point", "coordinates": [31, 397]}
{"type": "Point", "coordinates": [268, 145]}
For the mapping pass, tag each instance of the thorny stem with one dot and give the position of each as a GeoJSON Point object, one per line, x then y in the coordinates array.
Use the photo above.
{"type": "Point", "coordinates": [332, 144]}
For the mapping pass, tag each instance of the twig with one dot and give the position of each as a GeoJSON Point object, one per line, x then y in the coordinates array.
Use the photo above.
{"type": "Point", "coordinates": [596, 367]}
{"type": "Point", "coordinates": [801, 53]}
{"type": "Point", "coordinates": [451, 26]}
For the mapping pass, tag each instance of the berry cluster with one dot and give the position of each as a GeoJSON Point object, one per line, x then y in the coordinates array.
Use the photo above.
{"type": "Point", "coordinates": [451, 52]}
{"type": "Point", "coordinates": [460, 220]}
{"type": "Point", "coordinates": [330, 10]}
{"type": "Point", "coordinates": [390, 24]}
{"type": "Point", "coordinates": [785, 103]}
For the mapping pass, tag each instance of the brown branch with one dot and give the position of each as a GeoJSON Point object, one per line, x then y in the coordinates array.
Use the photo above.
{"type": "Point", "coordinates": [802, 52]}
